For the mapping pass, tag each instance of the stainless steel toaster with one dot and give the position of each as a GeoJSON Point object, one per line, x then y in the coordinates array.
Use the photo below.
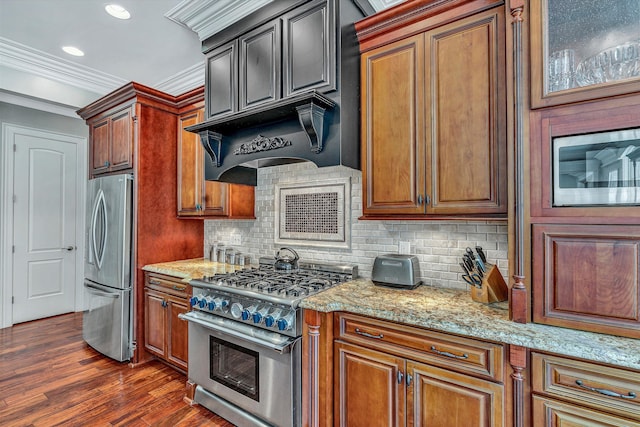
{"type": "Point", "coordinates": [396, 270]}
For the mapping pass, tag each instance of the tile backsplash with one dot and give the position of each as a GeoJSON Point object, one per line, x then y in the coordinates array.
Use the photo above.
{"type": "Point", "coordinates": [439, 245]}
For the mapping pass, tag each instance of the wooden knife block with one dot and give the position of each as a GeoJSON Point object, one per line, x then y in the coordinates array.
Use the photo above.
{"type": "Point", "coordinates": [493, 289]}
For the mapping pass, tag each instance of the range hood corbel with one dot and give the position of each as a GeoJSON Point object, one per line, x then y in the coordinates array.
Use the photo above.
{"type": "Point", "coordinates": [212, 143]}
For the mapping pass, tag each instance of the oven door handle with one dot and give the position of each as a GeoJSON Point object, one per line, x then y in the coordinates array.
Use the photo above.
{"type": "Point", "coordinates": [228, 329]}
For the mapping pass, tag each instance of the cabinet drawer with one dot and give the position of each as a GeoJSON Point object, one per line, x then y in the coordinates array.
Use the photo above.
{"type": "Point", "coordinates": [605, 388]}
{"type": "Point", "coordinates": [452, 352]}
{"type": "Point", "coordinates": [170, 285]}
{"type": "Point", "coordinates": [550, 413]}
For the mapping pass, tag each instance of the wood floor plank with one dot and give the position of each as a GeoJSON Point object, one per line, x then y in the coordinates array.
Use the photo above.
{"type": "Point", "coordinates": [50, 377]}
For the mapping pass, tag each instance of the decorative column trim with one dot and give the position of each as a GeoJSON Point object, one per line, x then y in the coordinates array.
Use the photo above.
{"type": "Point", "coordinates": [518, 312]}
{"type": "Point", "coordinates": [518, 361]}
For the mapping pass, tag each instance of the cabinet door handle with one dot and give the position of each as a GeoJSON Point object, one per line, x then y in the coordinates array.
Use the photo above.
{"type": "Point", "coordinates": [178, 288]}
{"type": "Point", "coordinates": [165, 304]}
{"type": "Point", "coordinates": [400, 376]}
{"type": "Point", "coordinates": [368, 335]}
{"type": "Point", "coordinates": [630, 395]}
{"type": "Point", "coordinates": [106, 164]}
{"type": "Point", "coordinates": [154, 282]}
{"type": "Point", "coordinates": [423, 199]}
{"type": "Point", "coordinates": [409, 379]}
{"type": "Point", "coordinates": [447, 354]}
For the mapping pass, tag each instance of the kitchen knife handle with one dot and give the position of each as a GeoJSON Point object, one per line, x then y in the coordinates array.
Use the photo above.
{"type": "Point", "coordinates": [368, 335]}
{"type": "Point", "coordinates": [447, 354]}
{"type": "Point", "coordinates": [630, 395]}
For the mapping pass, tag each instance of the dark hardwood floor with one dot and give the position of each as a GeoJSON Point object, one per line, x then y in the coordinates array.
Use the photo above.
{"type": "Point", "coordinates": [50, 377]}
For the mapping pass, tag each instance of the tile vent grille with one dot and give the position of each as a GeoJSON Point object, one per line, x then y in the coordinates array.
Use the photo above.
{"type": "Point", "coordinates": [314, 214]}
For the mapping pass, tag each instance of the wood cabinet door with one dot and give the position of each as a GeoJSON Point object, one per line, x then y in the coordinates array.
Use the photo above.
{"type": "Point", "coordinates": [260, 65]}
{"type": "Point", "coordinates": [190, 166]}
{"type": "Point", "coordinates": [155, 322]}
{"type": "Point", "coordinates": [393, 123]}
{"type": "Point", "coordinates": [122, 140]}
{"type": "Point", "coordinates": [241, 201]}
{"type": "Point", "coordinates": [465, 101]}
{"type": "Point", "coordinates": [553, 413]}
{"type": "Point", "coordinates": [369, 387]}
{"type": "Point", "coordinates": [100, 147]}
{"type": "Point", "coordinates": [309, 48]}
{"type": "Point", "coordinates": [177, 333]}
{"type": "Point", "coordinates": [439, 397]}
{"type": "Point", "coordinates": [221, 80]}
{"type": "Point", "coordinates": [587, 277]}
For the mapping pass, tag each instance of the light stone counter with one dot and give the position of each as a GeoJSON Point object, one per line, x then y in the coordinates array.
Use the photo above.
{"type": "Point", "coordinates": [454, 311]}
{"type": "Point", "coordinates": [191, 268]}
{"type": "Point", "coordinates": [445, 310]}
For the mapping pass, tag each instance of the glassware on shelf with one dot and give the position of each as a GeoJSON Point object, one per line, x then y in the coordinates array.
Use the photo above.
{"type": "Point", "coordinates": [613, 64]}
{"type": "Point", "coordinates": [562, 70]}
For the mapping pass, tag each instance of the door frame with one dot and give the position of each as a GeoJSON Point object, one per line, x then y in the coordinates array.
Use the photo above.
{"type": "Point", "coordinates": [7, 159]}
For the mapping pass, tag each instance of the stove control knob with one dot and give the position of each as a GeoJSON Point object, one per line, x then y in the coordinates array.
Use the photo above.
{"type": "Point", "coordinates": [211, 305]}
{"type": "Point", "coordinates": [260, 314]}
{"type": "Point", "coordinates": [236, 310]}
{"type": "Point", "coordinates": [203, 302]}
{"type": "Point", "coordinates": [194, 301]}
{"type": "Point", "coordinates": [283, 325]}
{"type": "Point", "coordinates": [247, 313]}
{"type": "Point", "coordinates": [286, 322]}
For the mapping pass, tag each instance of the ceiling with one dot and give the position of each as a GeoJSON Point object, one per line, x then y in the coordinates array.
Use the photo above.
{"type": "Point", "coordinates": [158, 47]}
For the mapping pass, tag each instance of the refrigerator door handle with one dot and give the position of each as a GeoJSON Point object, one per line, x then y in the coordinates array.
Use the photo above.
{"type": "Point", "coordinates": [99, 292]}
{"type": "Point", "coordinates": [99, 208]}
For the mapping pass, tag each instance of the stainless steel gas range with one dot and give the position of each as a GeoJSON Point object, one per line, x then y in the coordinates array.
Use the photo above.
{"type": "Point", "coordinates": [245, 332]}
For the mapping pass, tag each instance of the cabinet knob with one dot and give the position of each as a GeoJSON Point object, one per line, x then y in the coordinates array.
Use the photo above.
{"type": "Point", "coordinates": [106, 164]}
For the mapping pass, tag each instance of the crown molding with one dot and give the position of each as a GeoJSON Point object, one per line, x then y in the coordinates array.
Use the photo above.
{"type": "Point", "coordinates": [207, 17]}
{"type": "Point", "coordinates": [184, 81]}
{"type": "Point", "coordinates": [27, 59]}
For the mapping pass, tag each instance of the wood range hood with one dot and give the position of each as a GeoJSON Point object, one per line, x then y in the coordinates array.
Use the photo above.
{"type": "Point", "coordinates": [282, 85]}
{"type": "Point", "coordinates": [305, 127]}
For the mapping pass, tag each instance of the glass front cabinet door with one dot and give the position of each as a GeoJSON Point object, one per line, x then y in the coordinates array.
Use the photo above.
{"type": "Point", "coordinates": [583, 49]}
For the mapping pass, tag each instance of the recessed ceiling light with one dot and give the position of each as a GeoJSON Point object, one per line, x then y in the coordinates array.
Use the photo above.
{"type": "Point", "coordinates": [71, 50]}
{"type": "Point", "coordinates": [117, 11]}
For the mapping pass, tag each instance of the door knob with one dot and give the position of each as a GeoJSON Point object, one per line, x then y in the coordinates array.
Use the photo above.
{"type": "Point", "coordinates": [69, 248]}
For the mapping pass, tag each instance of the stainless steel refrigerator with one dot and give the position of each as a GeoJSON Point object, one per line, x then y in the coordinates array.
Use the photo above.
{"type": "Point", "coordinates": [107, 321]}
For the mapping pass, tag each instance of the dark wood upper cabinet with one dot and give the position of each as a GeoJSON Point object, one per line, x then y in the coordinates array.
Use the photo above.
{"type": "Point", "coordinates": [309, 49]}
{"type": "Point", "coordinates": [434, 118]}
{"type": "Point", "coordinates": [111, 147]}
{"type": "Point", "coordinates": [221, 77]}
{"type": "Point", "coordinates": [260, 79]}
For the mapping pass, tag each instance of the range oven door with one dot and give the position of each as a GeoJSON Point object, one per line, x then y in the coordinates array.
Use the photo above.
{"type": "Point", "coordinates": [256, 373]}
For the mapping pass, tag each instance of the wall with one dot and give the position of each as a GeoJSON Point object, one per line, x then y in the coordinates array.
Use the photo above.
{"type": "Point", "coordinates": [439, 245]}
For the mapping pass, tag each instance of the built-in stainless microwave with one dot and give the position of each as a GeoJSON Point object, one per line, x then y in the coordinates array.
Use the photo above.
{"type": "Point", "coordinates": [597, 169]}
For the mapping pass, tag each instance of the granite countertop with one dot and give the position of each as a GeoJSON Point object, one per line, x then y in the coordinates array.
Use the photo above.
{"type": "Point", "coordinates": [191, 268]}
{"type": "Point", "coordinates": [454, 311]}
{"type": "Point", "coordinates": [445, 310]}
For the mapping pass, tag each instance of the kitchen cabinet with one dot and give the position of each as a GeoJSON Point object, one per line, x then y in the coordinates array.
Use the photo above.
{"type": "Point", "coordinates": [587, 277]}
{"type": "Point", "coordinates": [577, 393]}
{"type": "Point", "coordinates": [166, 335]}
{"type": "Point", "coordinates": [159, 235]}
{"type": "Point", "coordinates": [434, 114]}
{"type": "Point", "coordinates": [295, 50]}
{"type": "Point", "coordinates": [585, 52]}
{"type": "Point", "coordinates": [198, 198]}
{"type": "Point", "coordinates": [388, 374]}
{"type": "Point", "coordinates": [111, 141]}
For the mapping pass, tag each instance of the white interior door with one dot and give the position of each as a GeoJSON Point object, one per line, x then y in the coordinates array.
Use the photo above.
{"type": "Point", "coordinates": [45, 201]}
